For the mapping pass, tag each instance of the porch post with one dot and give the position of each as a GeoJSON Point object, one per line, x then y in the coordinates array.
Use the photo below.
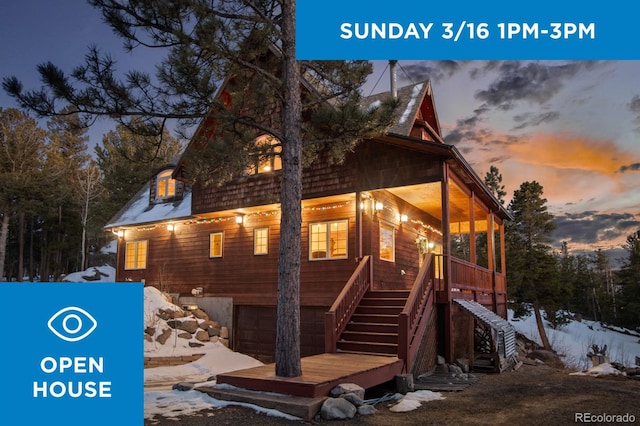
{"type": "Point", "coordinates": [503, 258]}
{"type": "Point", "coordinates": [491, 243]}
{"type": "Point", "coordinates": [446, 265]}
{"type": "Point", "coordinates": [472, 229]}
{"type": "Point", "coordinates": [358, 225]}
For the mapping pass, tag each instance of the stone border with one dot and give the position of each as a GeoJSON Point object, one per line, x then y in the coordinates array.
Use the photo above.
{"type": "Point", "coordinates": [161, 361]}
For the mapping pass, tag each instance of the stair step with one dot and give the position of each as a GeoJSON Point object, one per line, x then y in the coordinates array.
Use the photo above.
{"type": "Point", "coordinates": [383, 301]}
{"type": "Point", "coordinates": [391, 294]}
{"type": "Point", "coordinates": [378, 310]}
{"type": "Point", "coordinates": [374, 318]}
{"type": "Point", "coordinates": [365, 353]}
{"type": "Point", "coordinates": [372, 327]}
{"type": "Point", "coordinates": [374, 337]}
{"type": "Point", "coordinates": [376, 348]}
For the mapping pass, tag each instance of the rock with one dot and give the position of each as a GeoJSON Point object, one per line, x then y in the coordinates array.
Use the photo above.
{"type": "Point", "coordinates": [455, 369]}
{"type": "Point", "coordinates": [366, 410]}
{"type": "Point", "coordinates": [337, 409]}
{"type": "Point", "coordinates": [200, 314]}
{"type": "Point", "coordinates": [206, 324]}
{"type": "Point", "coordinates": [162, 338]}
{"type": "Point", "coordinates": [183, 386]}
{"type": "Point", "coordinates": [463, 364]}
{"type": "Point", "coordinates": [352, 398]}
{"type": "Point", "coordinates": [185, 335]}
{"type": "Point", "coordinates": [195, 344]}
{"type": "Point", "coordinates": [440, 360]}
{"type": "Point", "coordinates": [348, 388]}
{"type": "Point", "coordinates": [189, 326]}
{"type": "Point", "coordinates": [214, 339]}
{"type": "Point", "coordinates": [404, 383]}
{"type": "Point", "coordinates": [212, 331]}
{"type": "Point", "coordinates": [148, 338]}
{"type": "Point", "coordinates": [150, 331]}
{"type": "Point", "coordinates": [225, 342]}
{"type": "Point", "coordinates": [202, 336]}
{"type": "Point", "coordinates": [224, 332]}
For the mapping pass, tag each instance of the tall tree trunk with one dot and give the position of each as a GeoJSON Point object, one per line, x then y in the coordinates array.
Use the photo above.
{"type": "Point", "coordinates": [288, 362]}
{"type": "Point", "coordinates": [540, 324]}
{"type": "Point", "coordinates": [4, 232]}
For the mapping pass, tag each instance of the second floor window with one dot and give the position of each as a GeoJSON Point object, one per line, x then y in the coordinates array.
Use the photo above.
{"type": "Point", "coordinates": [268, 157]}
{"type": "Point", "coordinates": [165, 185]}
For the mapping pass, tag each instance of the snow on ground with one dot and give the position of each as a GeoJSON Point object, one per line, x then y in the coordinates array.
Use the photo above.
{"type": "Point", "coordinates": [575, 339]}
{"type": "Point", "coordinates": [413, 400]}
{"type": "Point", "coordinates": [101, 273]}
{"type": "Point", "coordinates": [605, 369]}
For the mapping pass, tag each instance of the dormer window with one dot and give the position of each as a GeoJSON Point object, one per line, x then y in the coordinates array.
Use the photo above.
{"type": "Point", "coordinates": [268, 158]}
{"type": "Point", "coordinates": [166, 185]}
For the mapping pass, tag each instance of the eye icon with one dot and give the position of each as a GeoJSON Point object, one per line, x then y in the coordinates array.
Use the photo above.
{"type": "Point", "coordinates": [68, 324]}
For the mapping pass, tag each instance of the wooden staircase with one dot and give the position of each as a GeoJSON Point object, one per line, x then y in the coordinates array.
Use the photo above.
{"type": "Point", "coordinates": [373, 327]}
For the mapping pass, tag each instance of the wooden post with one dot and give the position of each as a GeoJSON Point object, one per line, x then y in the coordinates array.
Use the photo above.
{"type": "Point", "coordinates": [446, 264]}
{"type": "Point", "coordinates": [472, 229]}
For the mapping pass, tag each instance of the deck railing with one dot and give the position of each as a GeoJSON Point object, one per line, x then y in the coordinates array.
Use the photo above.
{"type": "Point", "coordinates": [412, 320]}
{"type": "Point", "coordinates": [336, 319]}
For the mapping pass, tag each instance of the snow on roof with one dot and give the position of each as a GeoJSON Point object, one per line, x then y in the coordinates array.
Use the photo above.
{"type": "Point", "coordinates": [410, 98]}
{"type": "Point", "coordinates": [139, 211]}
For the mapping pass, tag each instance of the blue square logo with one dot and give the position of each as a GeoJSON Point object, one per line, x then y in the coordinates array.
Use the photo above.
{"type": "Point", "coordinates": [74, 354]}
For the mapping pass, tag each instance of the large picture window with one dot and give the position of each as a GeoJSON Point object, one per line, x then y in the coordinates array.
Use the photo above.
{"type": "Point", "coordinates": [135, 255]}
{"type": "Point", "coordinates": [328, 240]}
{"type": "Point", "coordinates": [261, 241]}
{"type": "Point", "coordinates": [216, 242]}
{"type": "Point", "coordinates": [387, 242]}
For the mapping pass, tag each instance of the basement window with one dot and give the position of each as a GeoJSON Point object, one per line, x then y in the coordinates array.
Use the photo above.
{"type": "Point", "coordinates": [328, 240]}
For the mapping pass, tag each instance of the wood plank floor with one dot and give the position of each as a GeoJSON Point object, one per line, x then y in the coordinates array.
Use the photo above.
{"type": "Point", "coordinates": [320, 374]}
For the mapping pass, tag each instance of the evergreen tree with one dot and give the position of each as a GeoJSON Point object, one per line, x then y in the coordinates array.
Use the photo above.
{"type": "Point", "coordinates": [250, 46]}
{"type": "Point", "coordinates": [629, 312]}
{"type": "Point", "coordinates": [531, 270]}
{"type": "Point", "coordinates": [22, 145]}
{"type": "Point", "coordinates": [127, 160]}
{"type": "Point", "coordinates": [493, 180]}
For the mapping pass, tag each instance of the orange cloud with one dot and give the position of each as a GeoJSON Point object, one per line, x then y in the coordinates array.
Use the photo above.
{"type": "Point", "coordinates": [572, 152]}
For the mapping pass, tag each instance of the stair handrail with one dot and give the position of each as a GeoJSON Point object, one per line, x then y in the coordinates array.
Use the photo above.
{"type": "Point", "coordinates": [337, 317]}
{"type": "Point", "coordinates": [411, 321]}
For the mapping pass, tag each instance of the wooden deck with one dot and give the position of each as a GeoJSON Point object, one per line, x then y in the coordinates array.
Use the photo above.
{"type": "Point", "coordinates": [320, 374]}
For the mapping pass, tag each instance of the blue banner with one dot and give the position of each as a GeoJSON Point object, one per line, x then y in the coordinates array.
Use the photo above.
{"type": "Point", "coordinates": [72, 353]}
{"type": "Point", "coordinates": [416, 30]}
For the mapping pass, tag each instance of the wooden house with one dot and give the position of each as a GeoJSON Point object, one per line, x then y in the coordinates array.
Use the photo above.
{"type": "Point", "coordinates": [391, 238]}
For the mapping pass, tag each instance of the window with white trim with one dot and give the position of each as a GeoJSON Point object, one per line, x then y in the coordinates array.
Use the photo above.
{"type": "Point", "coordinates": [135, 255]}
{"type": "Point", "coordinates": [328, 240]}
{"type": "Point", "coordinates": [261, 241]}
{"type": "Point", "coordinates": [387, 242]}
{"type": "Point", "coordinates": [216, 242]}
{"type": "Point", "coordinates": [165, 185]}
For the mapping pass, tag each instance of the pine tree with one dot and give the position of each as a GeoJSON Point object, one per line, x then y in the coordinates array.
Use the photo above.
{"type": "Point", "coordinates": [630, 284]}
{"type": "Point", "coordinates": [251, 47]}
{"type": "Point", "coordinates": [493, 180]}
{"type": "Point", "coordinates": [22, 145]}
{"type": "Point", "coordinates": [531, 271]}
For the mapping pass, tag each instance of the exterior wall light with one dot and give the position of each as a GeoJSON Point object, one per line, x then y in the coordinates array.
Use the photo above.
{"type": "Point", "coordinates": [239, 219]}
{"type": "Point", "coordinates": [379, 206]}
{"type": "Point", "coordinates": [404, 218]}
{"type": "Point", "coordinates": [171, 227]}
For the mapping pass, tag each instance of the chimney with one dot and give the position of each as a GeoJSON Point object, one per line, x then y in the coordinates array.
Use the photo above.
{"type": "Point", "coordinates": [392, 71]}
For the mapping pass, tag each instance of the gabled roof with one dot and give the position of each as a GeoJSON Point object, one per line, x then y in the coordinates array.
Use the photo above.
{"type": "Point", "coordinates": [415, 104]}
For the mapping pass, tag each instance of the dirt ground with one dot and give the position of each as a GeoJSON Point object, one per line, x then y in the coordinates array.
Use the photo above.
{"type": "Point", "coordinates": [531, 395]}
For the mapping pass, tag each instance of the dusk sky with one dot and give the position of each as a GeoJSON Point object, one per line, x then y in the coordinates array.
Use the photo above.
{"type": "Point", "coordinates": [572, 126]}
